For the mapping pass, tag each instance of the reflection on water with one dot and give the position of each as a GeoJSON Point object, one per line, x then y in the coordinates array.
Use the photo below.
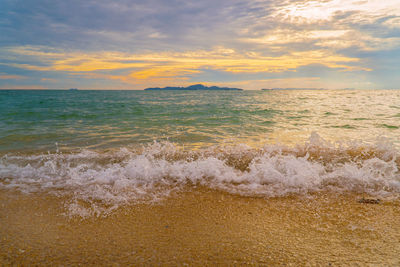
{"type": "Point", "coordinates": [36, 120]}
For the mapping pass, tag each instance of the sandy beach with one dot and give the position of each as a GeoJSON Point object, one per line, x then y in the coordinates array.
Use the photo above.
{"type": "Point", "coordinates": [203, 227]}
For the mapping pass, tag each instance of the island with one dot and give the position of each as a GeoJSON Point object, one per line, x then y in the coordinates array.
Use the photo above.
{"type": "Point", "coordinates": [193, 88]}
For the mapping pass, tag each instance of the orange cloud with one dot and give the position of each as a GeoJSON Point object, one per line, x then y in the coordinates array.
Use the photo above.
{"type": "Point", "coordinates": [178, 66]}
{"type": "Point", "coordinates": [12, 77]}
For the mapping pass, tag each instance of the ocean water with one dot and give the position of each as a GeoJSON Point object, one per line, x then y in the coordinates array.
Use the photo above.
{"type": "Point", "coordinates": [100, 150]}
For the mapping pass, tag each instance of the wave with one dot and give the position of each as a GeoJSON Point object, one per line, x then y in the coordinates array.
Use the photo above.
{"type": "Point", "coordinates": [99, 182]}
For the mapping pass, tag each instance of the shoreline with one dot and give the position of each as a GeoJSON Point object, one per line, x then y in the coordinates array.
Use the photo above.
{"type": "Point", "coordinates": [202, 227]}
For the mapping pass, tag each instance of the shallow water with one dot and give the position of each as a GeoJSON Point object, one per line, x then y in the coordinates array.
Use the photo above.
{"type": "Point", "coordinates": [47, 120]}
{"type": "Point", "coordinates": [111, 148]}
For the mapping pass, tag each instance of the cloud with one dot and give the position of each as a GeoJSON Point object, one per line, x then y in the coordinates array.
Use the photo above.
{"type": "Point", "coordinates": [137, 26]}
{"type": "Point", "coordinates": [48, 80]}
{"type": "Point", "coordinates": [314, 10]}
{"type": "Point", "coordinates": [12, 77]}
{"type": "Point", "coordinates": [137, 42]}
{"type": "Point", "coordinates": [21, 87]}
{"type": "Point", "coordinates": [336, 24]}
{"type": "Point", "coordinates": [178, 64]}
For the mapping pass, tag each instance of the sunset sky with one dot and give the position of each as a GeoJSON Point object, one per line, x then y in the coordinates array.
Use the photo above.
{"type": "Point", "coordinates": [248, 44]}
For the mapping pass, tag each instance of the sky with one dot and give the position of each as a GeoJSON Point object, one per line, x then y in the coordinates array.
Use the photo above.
{"type": "Point", "coordinates": [250, 44]}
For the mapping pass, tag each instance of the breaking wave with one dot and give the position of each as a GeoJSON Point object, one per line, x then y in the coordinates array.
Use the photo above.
{"type": "Point", "coordinates": [99, 182]}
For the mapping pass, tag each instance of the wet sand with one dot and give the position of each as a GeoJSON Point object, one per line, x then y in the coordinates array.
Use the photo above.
{"type": "Point", "coordinates": [203, 227]}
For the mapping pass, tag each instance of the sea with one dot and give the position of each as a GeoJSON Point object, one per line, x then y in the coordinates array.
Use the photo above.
{"type": "Point", "coordinates": [89, 157]}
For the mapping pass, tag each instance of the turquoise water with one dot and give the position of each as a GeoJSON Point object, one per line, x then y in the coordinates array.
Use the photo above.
{"type": "Point", "coordinates": [45, 120]}
{"type": "Point", "coordinates": [103, 149]}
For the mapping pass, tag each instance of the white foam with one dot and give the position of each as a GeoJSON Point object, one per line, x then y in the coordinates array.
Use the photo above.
{"type": "Point", "coordinates": [106, 180]}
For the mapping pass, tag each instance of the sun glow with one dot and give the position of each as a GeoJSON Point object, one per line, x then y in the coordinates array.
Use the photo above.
{"type": "Point", "coordinates": [304, 11]}
{"type": "Point", "coordinates": [166, 64]}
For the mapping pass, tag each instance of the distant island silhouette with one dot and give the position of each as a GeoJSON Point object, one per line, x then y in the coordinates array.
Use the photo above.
{"type": "Point", "coordinates": [194, 87]}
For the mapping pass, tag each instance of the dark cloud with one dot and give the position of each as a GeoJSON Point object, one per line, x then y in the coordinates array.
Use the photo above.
{"type": "Point", "coordinates": [102, 24]}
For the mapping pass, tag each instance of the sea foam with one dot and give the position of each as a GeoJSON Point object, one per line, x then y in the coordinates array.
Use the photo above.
{"type": "Point", "coordinates": [98, 182]}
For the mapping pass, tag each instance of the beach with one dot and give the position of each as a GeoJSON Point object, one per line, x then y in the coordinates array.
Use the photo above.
{"type": "Point", "coordinates": [204, 227]}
